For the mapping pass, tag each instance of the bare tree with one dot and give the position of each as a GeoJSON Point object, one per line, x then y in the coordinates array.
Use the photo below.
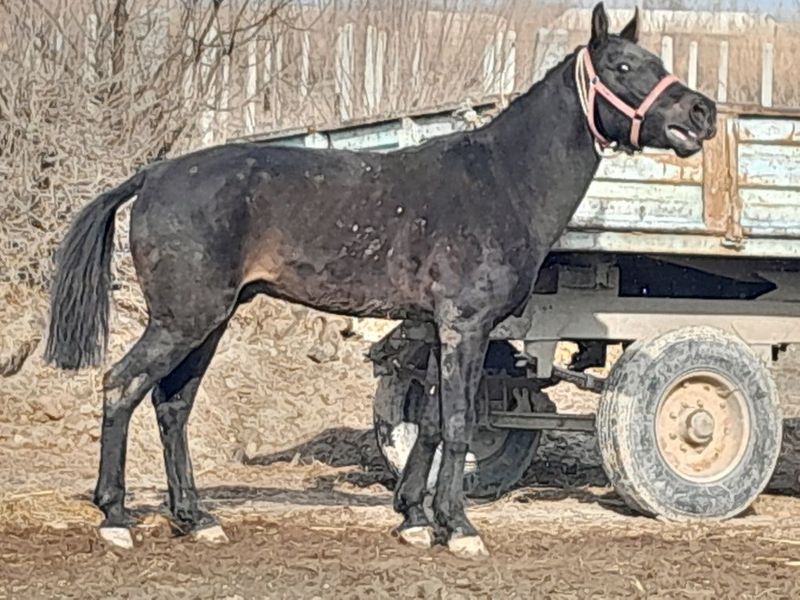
{"type": "Point", "coordinates": [90, 90]}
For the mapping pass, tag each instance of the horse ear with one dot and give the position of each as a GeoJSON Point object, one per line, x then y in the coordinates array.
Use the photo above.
{"type": "Point", "coordinates": [631, 30]}
{"type": "Point", "coordinates": [599, 26]}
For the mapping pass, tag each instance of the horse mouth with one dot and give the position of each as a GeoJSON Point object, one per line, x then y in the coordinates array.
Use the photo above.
{"type": "Point", "coordinates": [684, 140]}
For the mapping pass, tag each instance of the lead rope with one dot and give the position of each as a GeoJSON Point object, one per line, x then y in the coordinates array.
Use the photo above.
{"type": "Point", "coordinates": [583, 96]}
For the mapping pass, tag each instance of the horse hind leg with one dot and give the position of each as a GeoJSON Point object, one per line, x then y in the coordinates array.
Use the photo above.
{"type": "Point", "coordinates": [173, 398]}
{"type": "Point", "coordinates": [161, 348]}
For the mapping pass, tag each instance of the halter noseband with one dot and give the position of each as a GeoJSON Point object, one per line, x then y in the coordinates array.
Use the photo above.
{"type": "Point", "coordinates": [636, 115]}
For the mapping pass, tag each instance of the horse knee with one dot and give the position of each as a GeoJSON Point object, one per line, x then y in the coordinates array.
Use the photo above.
{"type": "Point", "coordinates": [457, 429]}
{"type": "Point", "coordinates": [429, 430]}
{"type": "Point", "coordinates": [123, 398]}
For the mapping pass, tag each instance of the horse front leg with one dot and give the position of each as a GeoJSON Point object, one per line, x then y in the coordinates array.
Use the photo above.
{"type": "Point", "coordinates": [417, 529]}
{"type": "Point", "coordinates": [463, 349]}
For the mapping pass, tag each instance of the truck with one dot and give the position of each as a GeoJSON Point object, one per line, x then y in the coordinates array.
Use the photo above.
{"type": "Point", "coordinates": [689, 266]}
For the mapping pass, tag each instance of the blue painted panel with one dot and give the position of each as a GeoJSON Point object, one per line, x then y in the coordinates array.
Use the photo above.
{"type": "Point", "coordinates": [774, 166]}
{"type": "Point", "coordinates": [641, 206]}
{"type": "Point", "coordinates": [653, 202]}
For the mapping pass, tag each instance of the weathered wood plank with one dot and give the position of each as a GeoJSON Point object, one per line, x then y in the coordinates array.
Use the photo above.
{"type": "Point", "coordinates": [775, 131]}
{"type": "Point", "coordinates": [641, 207]}
{"type": "Point", "coordinates": [773, 212]}
{"type": "Point", "coordinates": [653, 167]}
{"type": "Point", "coordinates": [769, 165]}
{"type": "Point", "coordinates": [716, 188]}
{"type": "Point", "coordinates": [722, 74]}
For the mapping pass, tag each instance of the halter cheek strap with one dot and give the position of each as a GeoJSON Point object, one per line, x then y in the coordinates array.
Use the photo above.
{"type": "Point", "coordinates": [636, 115]}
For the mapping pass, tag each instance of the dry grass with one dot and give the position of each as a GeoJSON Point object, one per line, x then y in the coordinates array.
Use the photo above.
{"type": "Point", "coordinates": [77, 117]}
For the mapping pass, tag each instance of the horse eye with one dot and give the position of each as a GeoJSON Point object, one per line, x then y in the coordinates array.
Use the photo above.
{"type": "Point", "coordinates": [624, 68]}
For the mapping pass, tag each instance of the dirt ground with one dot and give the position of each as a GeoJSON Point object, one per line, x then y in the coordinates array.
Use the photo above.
{"type": "Point", "coordinates": [284, 455]}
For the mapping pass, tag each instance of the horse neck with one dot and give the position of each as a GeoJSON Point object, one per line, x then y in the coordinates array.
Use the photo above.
{"type": "Point", "coordinates": [546, 149]}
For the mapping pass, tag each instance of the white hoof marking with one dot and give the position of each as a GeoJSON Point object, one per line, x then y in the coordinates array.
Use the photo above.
{"type": "Point", "coordinates": [419, 537]}
{"type": "Point", "coordinates": [117, 536]}
{"type": "Point", "coordinates": [211, 535]}
{"type": "Point", "coordinates": [467, 546]}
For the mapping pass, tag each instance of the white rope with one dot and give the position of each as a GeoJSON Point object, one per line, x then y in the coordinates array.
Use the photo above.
{"type": "Point", "coordinates": [583, 96]}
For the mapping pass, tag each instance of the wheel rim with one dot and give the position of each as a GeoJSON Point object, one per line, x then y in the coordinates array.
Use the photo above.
{"type": "Point", "coordinates": [702, 426]}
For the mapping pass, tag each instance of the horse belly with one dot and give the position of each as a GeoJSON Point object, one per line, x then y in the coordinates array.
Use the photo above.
{"type": "Point", "coordinates": [357, 278]}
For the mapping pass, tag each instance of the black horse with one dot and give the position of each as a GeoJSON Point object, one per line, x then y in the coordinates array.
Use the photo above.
{"type": "Point", "coordinates": [451, 232]}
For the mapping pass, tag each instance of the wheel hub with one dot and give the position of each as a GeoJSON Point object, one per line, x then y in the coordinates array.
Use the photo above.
{"type": "Point", "coordinates": [699, 428]}
{"type": "Point", "coordinates": [702, 426]}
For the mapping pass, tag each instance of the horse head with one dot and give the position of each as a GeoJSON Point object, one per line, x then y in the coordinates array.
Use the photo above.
{"type": "Point", "coordinates": [631, 101]}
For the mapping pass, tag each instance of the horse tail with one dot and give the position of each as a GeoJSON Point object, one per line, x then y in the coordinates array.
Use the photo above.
{"type": "Point", "coordinates": [79, 302]}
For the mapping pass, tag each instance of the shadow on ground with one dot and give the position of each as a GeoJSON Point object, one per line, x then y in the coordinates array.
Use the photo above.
{"type": "Point", "coordinates": [567, 467]}
{"type": "Point", "coordinates": [565, 463]}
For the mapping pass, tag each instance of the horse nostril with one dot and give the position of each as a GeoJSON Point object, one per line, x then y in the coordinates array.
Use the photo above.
{"type": "Point", "coordinates": [701, 115]}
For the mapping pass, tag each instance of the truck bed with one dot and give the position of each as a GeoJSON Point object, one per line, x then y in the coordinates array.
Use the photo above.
{"type": "Point", "coordinates": [739, 197]}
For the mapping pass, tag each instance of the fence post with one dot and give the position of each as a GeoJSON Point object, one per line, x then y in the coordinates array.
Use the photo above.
{"type": "Point", "coordinates": [344, 71]}
{"type": "Point", "coordinates": [550, 48]}
{"type": "Point", "coordinates": [189, 66]}
{"type": "Point", "coordinates": [722, 74]}
{"type": "Point", "coordinates": [208, 59]}
{"type": "Point", "coordinates": [509, 78]}
{"type": "Point", "coordinates": [394, 76]}
{"type": "Point", "coordinates": [692, 78]}
{"type": "Point", "coordinates": [250, 88]}
{"type": "Point", "coordinates": [273, 59]}
{"type": "Point", "coordinates": [305, 63]}
{"type": "Point", "coordinates": [223, 110]}
{"type": "Point", "coordinates": [767, 69]}
{"type": "Point", "coordinates": [489, 62]}
{"type": "Point", "coordinates": [666, 52]}
{"type": "Point", "coordinates": [373, 68]}
{"type": "Point", "coordinates": [92, 25]}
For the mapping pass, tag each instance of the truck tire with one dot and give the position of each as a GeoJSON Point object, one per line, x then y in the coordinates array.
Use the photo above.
{"type": "Point", "coordinates": [497, 460]}
{"type": "Point", "coordinates": [689, 426]}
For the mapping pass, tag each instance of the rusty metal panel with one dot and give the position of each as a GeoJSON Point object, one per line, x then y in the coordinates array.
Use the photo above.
{"type": "Point", "coordinates": [733, 230]}
{"type": "Point", "coordinates": [716, 180]}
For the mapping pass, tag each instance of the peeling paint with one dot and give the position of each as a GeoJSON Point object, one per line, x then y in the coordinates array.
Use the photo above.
{"type": "Point", "coordinates": [741, 196]}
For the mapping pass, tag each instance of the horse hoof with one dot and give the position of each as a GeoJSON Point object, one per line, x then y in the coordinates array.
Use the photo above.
{"type": "Point", "coordinates": [419, 537]}
{"type": "Point", "coordinates": [467, 546]}
{"type": "Point", "coordinates": [117, 536]}
{"type": "Point", "coordinates": [211, 535]}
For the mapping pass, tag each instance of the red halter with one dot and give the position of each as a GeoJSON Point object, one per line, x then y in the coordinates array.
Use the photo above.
{"type": "Point", "coordinates": [636, 115]}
